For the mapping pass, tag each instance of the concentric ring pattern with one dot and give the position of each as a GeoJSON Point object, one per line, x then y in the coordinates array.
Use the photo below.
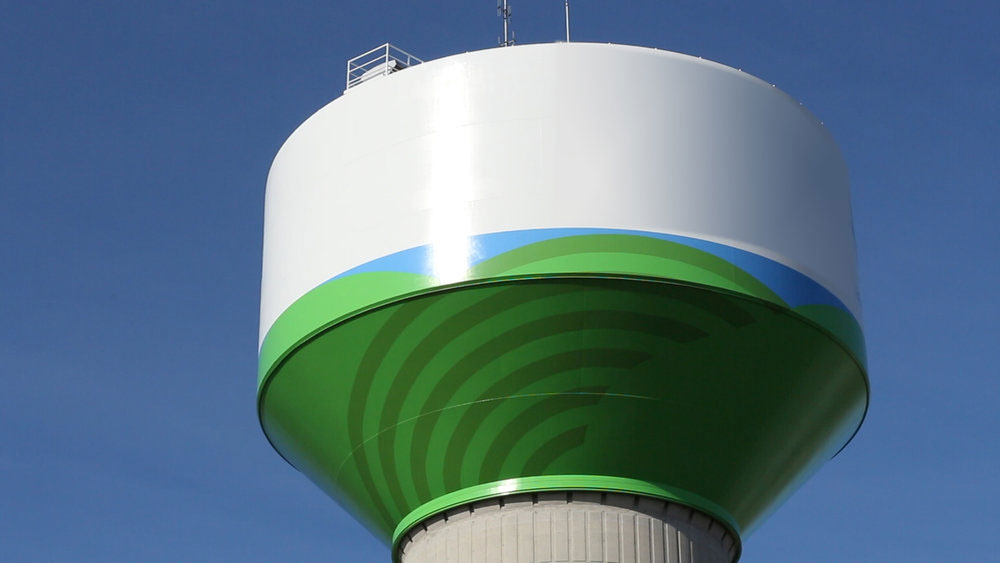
{"type": "Point", "coordinates": [714, 375]}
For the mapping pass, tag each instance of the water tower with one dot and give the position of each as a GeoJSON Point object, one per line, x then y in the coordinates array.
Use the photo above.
{"type": "Point", "coordinates": [560, 302]}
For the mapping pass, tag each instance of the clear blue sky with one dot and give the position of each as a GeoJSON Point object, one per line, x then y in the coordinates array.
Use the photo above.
{"type": "Point", "coordinates": [135, 139]}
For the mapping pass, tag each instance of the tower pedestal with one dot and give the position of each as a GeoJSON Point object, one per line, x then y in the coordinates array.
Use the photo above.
{"type": "Point", "coordinates": [572, 527]}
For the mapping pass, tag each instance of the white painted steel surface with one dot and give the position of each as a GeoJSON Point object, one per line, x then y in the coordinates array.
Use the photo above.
{"type": "Point", "coordinates": [554, 135]}
{"type": "Point", "coordinates": [573, 527]}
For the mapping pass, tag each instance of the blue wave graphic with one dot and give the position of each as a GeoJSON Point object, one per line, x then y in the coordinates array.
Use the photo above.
{"type": "Point", "coordinates": [794, 287]}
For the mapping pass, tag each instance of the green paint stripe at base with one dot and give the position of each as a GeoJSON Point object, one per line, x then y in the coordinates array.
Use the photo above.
{"type": "Point", "coordinates": [331, 303]}
{"type": "Point", "coordinates": [597, 255]}
{"type": "Point", "coordinates": [841, 325]}
{"type": "Point", "coordinates": [543, 483]}
{"type": "Point", "coordinates": [337, 301]}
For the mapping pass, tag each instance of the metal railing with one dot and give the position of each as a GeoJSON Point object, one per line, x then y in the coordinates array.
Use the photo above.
{"type": "Point", "coordinates": [380, 61]}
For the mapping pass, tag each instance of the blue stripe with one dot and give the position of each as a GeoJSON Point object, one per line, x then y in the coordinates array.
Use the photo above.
{"type": "Point", "coordinates": [794, 287]}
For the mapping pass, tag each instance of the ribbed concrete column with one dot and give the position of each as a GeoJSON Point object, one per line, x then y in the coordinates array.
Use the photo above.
{"type": "Point", "coordinates": [570, 526]}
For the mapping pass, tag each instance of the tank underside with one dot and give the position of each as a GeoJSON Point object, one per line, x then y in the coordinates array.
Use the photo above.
{"type": "Point", "coordinates": [649, 385]}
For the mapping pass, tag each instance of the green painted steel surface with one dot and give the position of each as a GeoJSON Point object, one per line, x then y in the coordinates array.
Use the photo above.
{"type": "Point", "coordinates": [699, 384]}
{"type": "Point", "coordinates": [602, 254]}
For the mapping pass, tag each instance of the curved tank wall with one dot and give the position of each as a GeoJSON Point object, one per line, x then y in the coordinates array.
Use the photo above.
{"type": "Point", "coordinates": [560, 267]}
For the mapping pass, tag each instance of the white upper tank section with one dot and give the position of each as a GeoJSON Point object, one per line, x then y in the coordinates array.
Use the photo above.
{"type": "Point", "coordinates": [555, 135]}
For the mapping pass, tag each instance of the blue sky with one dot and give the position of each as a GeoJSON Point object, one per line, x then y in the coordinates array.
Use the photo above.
{"type": "Point", "coordinates": [135, 139]}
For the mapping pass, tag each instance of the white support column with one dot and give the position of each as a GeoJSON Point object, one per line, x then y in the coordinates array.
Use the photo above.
{"type": "Point", "coordinates": [570, 526]}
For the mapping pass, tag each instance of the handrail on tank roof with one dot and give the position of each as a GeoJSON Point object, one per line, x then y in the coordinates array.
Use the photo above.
{"type": "Point", "coordinates": [380, 61]}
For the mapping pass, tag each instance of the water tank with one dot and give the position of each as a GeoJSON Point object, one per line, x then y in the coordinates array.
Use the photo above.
{"type": "Point", "coordinates": [542, 275]}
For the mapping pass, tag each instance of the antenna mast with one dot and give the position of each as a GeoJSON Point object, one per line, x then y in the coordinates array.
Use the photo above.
{"type": "Point", "coordinates": [566, 3]}
{"type": "Point", "coordinates": [508, 35]}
